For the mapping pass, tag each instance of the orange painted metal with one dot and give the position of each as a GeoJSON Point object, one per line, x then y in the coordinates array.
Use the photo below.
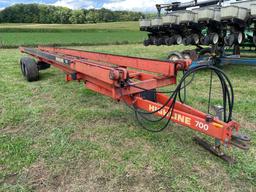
{"type": "Point", "coordinates": [189, 117]}
{"type": "Point", "coordinates": [151, 65]}
{"type": "Point", "coordinates": [111, 75]}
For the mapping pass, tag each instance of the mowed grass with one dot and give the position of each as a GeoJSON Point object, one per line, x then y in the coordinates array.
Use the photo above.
{"type": "Point", "coordinates": [129, 25]}
{"type": "Point", "coordinates": [58, 136]}
{"type": "Point", "coordinates": [14, 35]}
{"type": "Point", "coordinates": [14, 39]}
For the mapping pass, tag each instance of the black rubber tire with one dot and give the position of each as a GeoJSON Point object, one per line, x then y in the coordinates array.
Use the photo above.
{"type": "Point", "coordinates": [29, 69]}
{"type": "Point", "coordinates": [231, 40]}
{"type": "Point", "coordinates": [185, 41]}
{"type": "Point", "coordinates": [189, 40]}
{"type": "Point", "coordinates": [206, 40]}
{"type": "Point", "coordinates": [254, 39]}
{"type": "Point", "coordinates": [167, 41]}
{"type": "Point", "coordinates": [22, 66]}
{"type": "Point", "coordinates": [154, 40]}
{"type": "Point", "coordinates": [214, 38]}
{"type": "Point", "coordinates": [146, 42]}
{"type": "Point", "coordinates": [158, 41]}
{"type": "Point", "coordinates": [226, 41]}
{"type": "Point", "coordinates": [172, 40]}
{"type": "Point", "coordinates": [202, 40]}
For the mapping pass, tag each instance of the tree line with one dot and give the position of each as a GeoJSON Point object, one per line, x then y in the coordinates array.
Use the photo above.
{"type": "Point", "coordinates": [47, 14]}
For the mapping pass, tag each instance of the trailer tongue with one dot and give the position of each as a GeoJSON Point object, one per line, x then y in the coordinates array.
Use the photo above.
{"type": "Point", "coordinates": [135, 81]}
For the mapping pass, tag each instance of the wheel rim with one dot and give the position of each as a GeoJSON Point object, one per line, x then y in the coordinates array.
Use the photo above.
{"type": "Point", "coordinates": [240, 38]}
{"type": "Point", "coordinates": [178, 39]}
{"type": "Point", "coordinates": [215, 38]}
{"type": "Point", "coordinates": [196, 39]}
{"type": "Point", "coordinates": [186, 56]}
{"type": "Point", "coordinates": [174, 57]}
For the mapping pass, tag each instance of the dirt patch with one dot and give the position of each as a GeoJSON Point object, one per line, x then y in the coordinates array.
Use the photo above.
{"type": "Point", "coordinates": [245, 123]}
{"type": "Point", "coordinates": [10, 179]}
{"type": "Point", "coordinates": [90, 176]}
{"type": "Point", "coordinates": [36, 177]}
{"type": "Point", "coordinates": [12, 130]}
{"type": "Point", "coordinates": [142, 180]}
{"type": "Point", "coordinates": [55, 181]}
{"type": "Point", "coordinates": [80, 135]}
{"type": "Point", "coordinates": [213, 178]}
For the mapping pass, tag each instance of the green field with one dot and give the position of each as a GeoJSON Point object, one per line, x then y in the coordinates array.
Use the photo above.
{"type": "Point", "coordinates": [58, 136]}
{"type": "Point", "coordinates": [132, 25]}
{"type": "Point", "coordinates": [14, 35]}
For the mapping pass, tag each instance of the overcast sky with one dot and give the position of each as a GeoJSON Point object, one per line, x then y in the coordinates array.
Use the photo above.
{"type": "Point", "coordinates": [135, 5]}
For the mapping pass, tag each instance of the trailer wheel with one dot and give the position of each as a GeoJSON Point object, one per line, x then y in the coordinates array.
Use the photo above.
{"type": "Point", "coordinates": [22, 67]}
{"type": "Point", "coordinates": [174, 56]}
{"type": "Point", "coordinates": [167, 41]}
{"type": "Point", "coordinates": [178, 39]}
{"type": "Point", "coordinates": [231, 39]}
{"type": "Point", "coordinates": [189, 54]}
{"type": "Point", "coordinates": [254, 39]}
{"type": "Point", "coordinates": [147, 42]}
{"type": "Point", "coordinates": [206, 40]}
{"type": "Point", "coordinates": [29, 69]}
{"type": "Point", "coordinates": [214, 38]}
{"type": "Point", "coordinates": [196, 39]}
